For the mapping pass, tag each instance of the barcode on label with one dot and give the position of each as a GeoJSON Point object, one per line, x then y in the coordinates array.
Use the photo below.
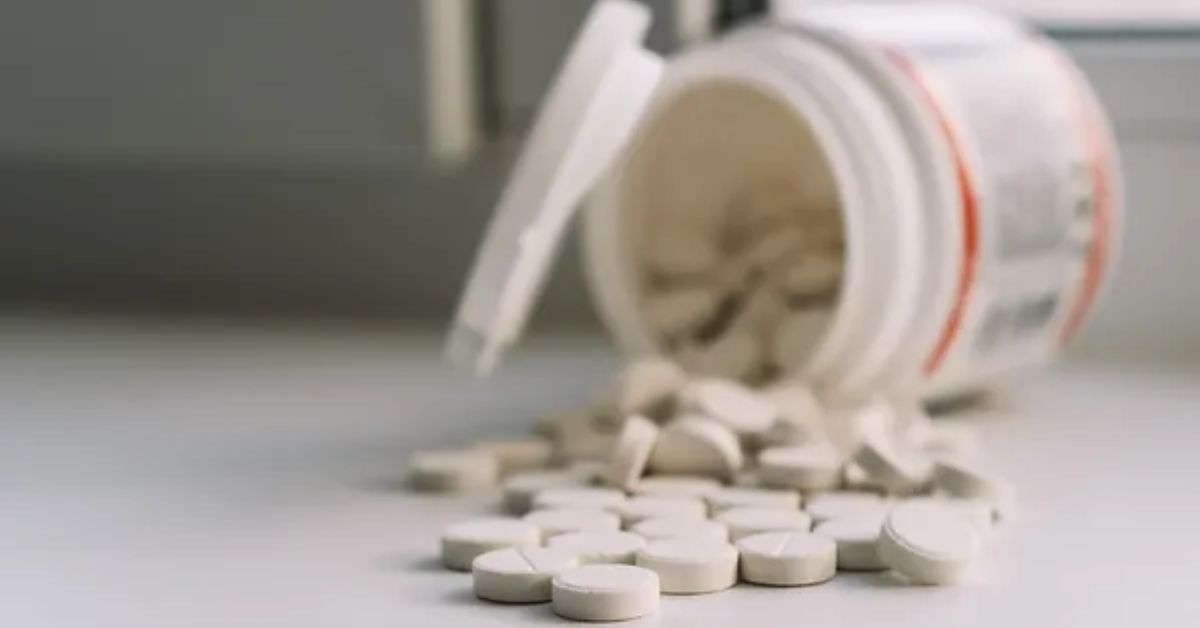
{"type": "Point", "coordinates": [1009, 323]}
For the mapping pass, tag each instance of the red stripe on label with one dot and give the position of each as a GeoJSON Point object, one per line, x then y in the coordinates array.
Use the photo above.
{"type": "Point", "coordinates": [969, 208]}
{"type": "Point", "coordinates": [1101, 166]}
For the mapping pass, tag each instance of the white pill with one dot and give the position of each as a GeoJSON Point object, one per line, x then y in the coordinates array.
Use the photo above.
{"type": "Point", "coordinates": [520, 488]}
{"type": "Point", "coordinates": [804, 467]}
{"type": "Point", "coordinates": [676, 486]}
{"type": "Point", "coordinates": [641, 507]}
{"type": "Point", "coordinates": [695, 445]}
{"type": "Point", "coordinates": [648, 386]}
{"type": "Point", "coordinates": [796, 403]}
{"type": "Point", "coordinates": [732, 404]}
{"type": "Point", "coordinates": [964, 479]}
{"type": "Point", "coordinates": [887, 465]}
{"type": "Point", "coordinates": [462, 542]}
{"type": "Point", "coordinates": [519, 454]}
{"type": "Point", "coordinates": [587, 498]}
{"type": "Point", "coordinates": [927, 543]}
{"type": "Point", "coordinates": [980, 513]}
{"type": "Point", "coordinates": [680, 311]}
{"type": "Point", "coordinates": [595, 548]}
{"type": "Point", "coordinates": [746, 521]}
{"type": "Point", "coordinates": [742, 497]}
{"type": "Point", "coordinates": [519, 575]}
{"type": "Point", "coordinates": [581, 438]}
{"type": "Point", "coordinates": [687, 566]}
{"type": "Point", "coordinates": [841, 504]}
{"type": "Point", "coordinates": [733, 355]}
{"type": "Point", "coordinates": [631, 452]}
{"type": "Point", "coordinates": [671, 528]}
{"type": "Point", "coordinates": [797, 336]}
{"type": "Point", "coordinates": [605, 593]}
{"type": "Point", "coordinates": [856, 538]}
{"type": "Point", "coordinates": [788, 559]}
{"type": "Point", "coordinates": [555, 521]}
{"type": "Point", "coordinates": [453, 470]}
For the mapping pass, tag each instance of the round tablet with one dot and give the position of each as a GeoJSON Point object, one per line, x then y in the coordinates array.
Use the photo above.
{"type": "Point", "coordinates": [588, 498]}
{"type": "Point", "coordinates": [595, 548]}
{"type": "Point", "coordinates": [518, 575]}
{"type": "Point", "coordinates": [856, 539]}
{"type": "Point", "coordinates": [841, 504]}
{"type": "Point", "coordinates": [519, 454]}
{"type": "Point", "coordinates": [797, 404]}
{"type": "Point", "coordinates": [687, 566]}
{"type": "Point", "coordinates": [963, 479]}
{"type": "Point", "coordinates": [642, 507]}
{"type": "Point", "coordinates": [555, 521]}
{"type": "Point", "coordinates": [648, 385]}
{"type": "Point", "coordinates": [462, 542]}
{"type": "Point", "coordinates": [927, 543]}
{"type": "Point", "coordinates": [676, 486]}
{"type": "Point", "coordinates": [669, 528]}
{"type": "Point", "coordinates": [605, 593]}
{"type": "Point", "coordinates": [980, 513]}
{"type": "Point", "coordinates": [742, 497]}
{"type": "Point", "coordinates": [453, 470]}
{"type": "Point", "coordinates": [696, 445]}
{"type": "Point", "coordinates": [631, 452]}
{"type": "Point", "coordinates": [899, 472]}
{"type": "Point", "coordinates": [804, 468]}
{"type": "Point", "coordinates": [737, 407]}
{"type": "Point", "coordinates": [743, 522]}
{"type": "Point", "coordinates": [787, 559]}
{"type": "Point", "coordinates": [520, 488]}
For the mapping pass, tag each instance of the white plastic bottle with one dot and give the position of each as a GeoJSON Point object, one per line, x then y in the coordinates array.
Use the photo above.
{"type": "Point", "coordinates": [969, 170]}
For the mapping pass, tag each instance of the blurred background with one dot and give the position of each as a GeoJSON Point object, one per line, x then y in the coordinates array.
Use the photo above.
{"type": "Point", "coordinates": [307, 158]}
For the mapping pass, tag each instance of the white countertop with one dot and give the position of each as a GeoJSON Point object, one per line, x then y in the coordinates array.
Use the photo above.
{"type": "Point", "coordinates": [218, 475]}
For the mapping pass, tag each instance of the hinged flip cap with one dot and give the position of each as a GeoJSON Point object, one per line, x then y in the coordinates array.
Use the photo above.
{"type": "Point", "coordinates": [592, 108]}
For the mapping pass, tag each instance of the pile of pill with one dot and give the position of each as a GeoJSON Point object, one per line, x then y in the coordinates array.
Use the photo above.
{"type": "Point", "coordinates": [746, 292]}
{"type": "Point", "coordinates": [686, 485]}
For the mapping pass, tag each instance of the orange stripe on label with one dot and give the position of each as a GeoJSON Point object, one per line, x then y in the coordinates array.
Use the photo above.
{"type": "Point", "coordinates": [969, 208]}
{"type": "Point", "coordinates": [1101, 168]}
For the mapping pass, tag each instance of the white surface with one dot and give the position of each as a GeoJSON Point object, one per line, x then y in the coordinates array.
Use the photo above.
{"type": "Point", "coordinates": [235, 477]}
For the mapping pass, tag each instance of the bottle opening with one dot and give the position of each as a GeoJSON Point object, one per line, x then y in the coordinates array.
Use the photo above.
{"type": "Point", "coordinates": [733, 222]}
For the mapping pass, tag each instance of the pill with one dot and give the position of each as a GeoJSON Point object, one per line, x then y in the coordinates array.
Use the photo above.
{"type": "Point", "coordinates": [796, 403]}
{"type": "Point", "coordinates": [980, 513]}
{"type": "Point", "coordinates": [595, 548]}
{"type": "Point", "coordinates": [519, 454]}
{"type": "Point", "coordinates": [732, 404]}
{"type": "Point", "coordinates": [631, 452]}
{"type": "Point", "coordinates": [787, 559]}
{"type": "Point", "coordinates": [797, 336]}
{"type": "Point", "coordinates": [680, 311]}
{"type": "Point", "coordinates": [670, 528]}
{"type": "Point", "coordinates": [687, 566]}
{"type": "Point", "coordinates": [520, 488]}
{"type": "Point", "coordinates": [519, 575]}
{"type": "Point", "coordinates": [805, 467]}
{"type": "Point", "coordinates": [581, 438]}
{"type": "Point", "coordinates": [928, 543]}
{"type": "Point", "coordinates": [605, 593]}
{"type": "Point", "coordinates": [695, 445]}
{"type": "Point", "coordinates": [898, 471]}
{"type": "Point", "coordinates": [841, 504]}
{"type": "Point", "coordinates": [462, 542]}
{"type": "Point", "coordinates": [648, 386]}
{"type": "Point", "coordinates": [587, 498]}
{"type": "Point", "coordinates": [856, 539]}
{"type": "Point", "coordinates": [676, 486]}
{"type": "Point", "coordinates": [643, 507]}
{"type": "Point", "coordinates": [741, 497]}
{"type": "Point", "coordinates": [745, 521]}
{"type": "Point", "coordinates": [453, 470]}
{"type": "Point", "coordinates": [555, 521]}
{"type": "Point", "coordinates": [734, 355]}
{"type": "Point", "coordinates": [964, 479]}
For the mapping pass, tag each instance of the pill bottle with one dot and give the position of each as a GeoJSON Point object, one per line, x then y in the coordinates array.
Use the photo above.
{"type": "Point", "coordinates": [945, 175]}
